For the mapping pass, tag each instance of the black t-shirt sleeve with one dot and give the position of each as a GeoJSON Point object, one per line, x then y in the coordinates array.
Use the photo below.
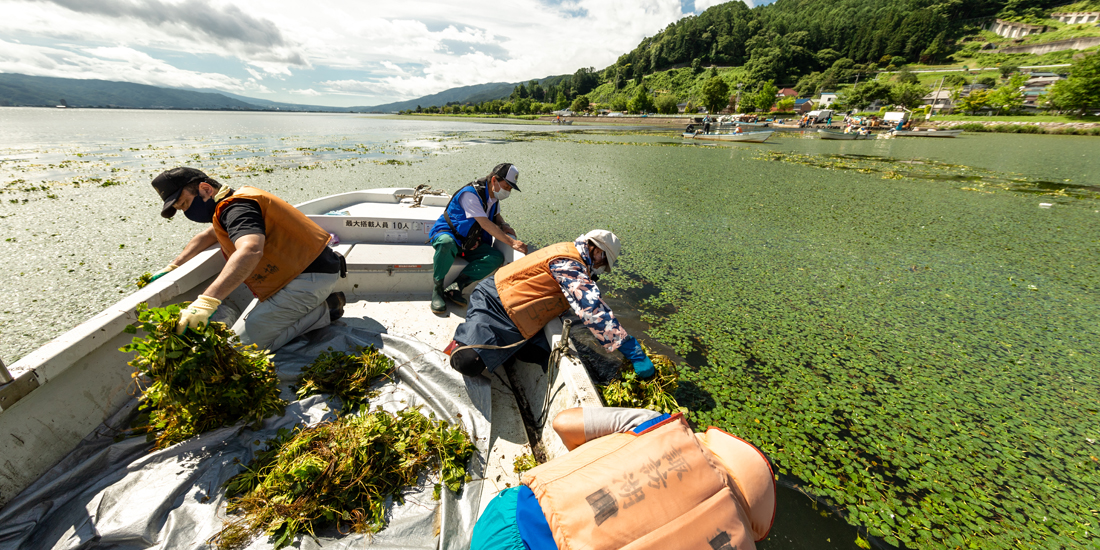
{"type": "Point", "coordinates": [243, 217]}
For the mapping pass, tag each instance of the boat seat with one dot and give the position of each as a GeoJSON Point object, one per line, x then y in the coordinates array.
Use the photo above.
{"type": "Point", "coordinates": [391, 257]}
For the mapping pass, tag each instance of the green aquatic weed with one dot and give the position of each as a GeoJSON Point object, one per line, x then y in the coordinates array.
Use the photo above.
{"type": "Point", "coordinates": [143, 279]}
{"type": "Point", "coordinates": [200, 380]}
{"type": "Point", "coordinates": [655, 394]}
{"type": "Point", "coordinates": [341, 474]}
{"type": "Point", "coordinates": [346, 377]}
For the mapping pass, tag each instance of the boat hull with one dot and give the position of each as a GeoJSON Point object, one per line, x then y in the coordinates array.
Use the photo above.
{"type": "Point", "coordinates": [841, 136]}
{"type": "Point", "coordinates": [747, 137]}
{"type": "Point", "coordinates": [928, 133]}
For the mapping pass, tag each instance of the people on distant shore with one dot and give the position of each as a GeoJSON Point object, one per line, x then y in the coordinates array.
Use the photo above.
{"type": "Point", "coordinates": [467, 228]}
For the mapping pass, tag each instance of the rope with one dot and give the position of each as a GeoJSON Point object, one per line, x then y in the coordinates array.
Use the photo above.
{"type": "Point", "coordinates": [561, 350]}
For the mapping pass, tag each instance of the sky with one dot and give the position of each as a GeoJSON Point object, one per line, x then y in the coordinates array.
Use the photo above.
{"type": "Point", "coordinates": [325, 52]}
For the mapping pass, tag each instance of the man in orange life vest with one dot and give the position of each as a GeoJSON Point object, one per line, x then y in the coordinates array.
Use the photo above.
{"type": "Point", "coordinates": [271, 247]}
{"type": "Point", "coordinates": [513, 305]}
{"type": "Point", "coordinates": [635, 479]}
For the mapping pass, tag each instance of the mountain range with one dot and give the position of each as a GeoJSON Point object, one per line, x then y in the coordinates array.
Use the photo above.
{"type": "Point", "coordinates": [44, 91]}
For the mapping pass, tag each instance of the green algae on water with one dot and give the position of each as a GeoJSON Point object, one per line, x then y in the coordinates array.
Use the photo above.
{"type": "Point", "coordinates": [200, 380]}
{"type": "Point", "coordinates": [341, 474]}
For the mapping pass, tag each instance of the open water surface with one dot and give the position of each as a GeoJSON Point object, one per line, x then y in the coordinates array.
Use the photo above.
{"type": "Point", "coordinates": [907, 327]}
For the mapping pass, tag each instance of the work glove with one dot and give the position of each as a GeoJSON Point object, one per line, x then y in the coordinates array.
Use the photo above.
{"type": "Point", "coordinates": [198, 313]}
{"type": "Point", "coordinates": [163, 272]}
{"type": "Point", "coordinates": [633, 351]}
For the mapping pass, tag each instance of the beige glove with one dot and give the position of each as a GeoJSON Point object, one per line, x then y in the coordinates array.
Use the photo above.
{"type": "Point", "coordinates": [198, 313]}
{"type": "Point", "coordinates": [163, 272]}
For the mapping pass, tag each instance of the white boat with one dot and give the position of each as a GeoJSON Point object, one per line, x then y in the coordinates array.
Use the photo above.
{"type": "Point", "coordinates": [63, 477]}
{"type": "Point", "coordinates": [927, 133]}
{"type": "Point", "coordinates": [749, 137]}
{"type": "Point", "coordinates": [832, 134]}
{"type": "Point", "coordinates": [565, 122]}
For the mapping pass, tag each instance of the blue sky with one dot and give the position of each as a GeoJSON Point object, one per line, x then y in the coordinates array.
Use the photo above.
{"type": "Point", "coordinates": [339, 53]}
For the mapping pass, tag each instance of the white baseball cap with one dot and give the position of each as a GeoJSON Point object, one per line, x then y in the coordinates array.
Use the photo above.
{"type": "Point", "coordinates": [608, 242]}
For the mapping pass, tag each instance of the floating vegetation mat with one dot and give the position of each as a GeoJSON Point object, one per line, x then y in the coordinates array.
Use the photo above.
{"type": "Point", "coordinates": [200, 380]}
{"type": "Point", "coordinates": [969, 178]}
{"type": "Point", "coordinates": [920, 358]}
{"type": "Point", "coordinates": [341, 474]}
{"type": "Point", "coordinates": [343, 376]}
{"type": "Point", "coordinates": [654, 394]}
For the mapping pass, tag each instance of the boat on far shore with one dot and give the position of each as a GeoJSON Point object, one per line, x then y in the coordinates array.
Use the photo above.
{"type": "Point", "coordinates": [748, 137]}
{"type": "Point", "coordinates": [833, 134]}
{"type": "Point", "coordinates": [927, 133]}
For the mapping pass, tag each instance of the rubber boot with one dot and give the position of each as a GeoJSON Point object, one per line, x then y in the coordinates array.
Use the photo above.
{"type": "Point", "coordinates": [438, 305]}
{"type": "Point", "coordinates": [454, 292]}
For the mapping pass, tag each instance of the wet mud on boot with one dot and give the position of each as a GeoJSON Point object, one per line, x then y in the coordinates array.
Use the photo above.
{"type": "Point", "coordinates": [439, 306]}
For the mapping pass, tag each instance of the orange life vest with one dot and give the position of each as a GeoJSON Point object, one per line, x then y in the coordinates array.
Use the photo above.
{"type": "Point", "coordinates": [662, 490]}
{"type": "Point", "coordinates": [291, 243]}
{"type": "Point", "coordinates": [529, 293]}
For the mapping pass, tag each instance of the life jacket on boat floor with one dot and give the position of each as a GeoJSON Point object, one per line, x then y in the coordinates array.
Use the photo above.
{"type": "Point", "coordinates": [666, 489]}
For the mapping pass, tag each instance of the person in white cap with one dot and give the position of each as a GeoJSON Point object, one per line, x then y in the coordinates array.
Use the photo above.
{"type": "Point", "coordinates": [467, 228]}
{"type": "Point", "coordinates": [513, 306]}
{"type": "Point", "coordinates": [635, 479]}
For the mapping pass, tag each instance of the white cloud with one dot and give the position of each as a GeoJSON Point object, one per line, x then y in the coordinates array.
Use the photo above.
{"type": "Point", "coordinates": [107, 63]}
{"type": "Point", "coordinates": [702, 5]}
{"type": "Point", "coordinates": [309, 92]}
{"type": "Point", "coordinates": [394, 50]}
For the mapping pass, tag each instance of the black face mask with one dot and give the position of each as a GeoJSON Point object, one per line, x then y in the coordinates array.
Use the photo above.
{"type": "Point", "coordinates": [201, 211]}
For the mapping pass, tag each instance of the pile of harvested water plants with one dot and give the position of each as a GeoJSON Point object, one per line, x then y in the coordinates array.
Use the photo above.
{"type": "Point", "coordinates": [343, 376]}
{"type": "Point", "coordinates": [200, 380]}
{"type": "Point", "coordinates": [341, 473]}
{"type": "Point", "coordinates": [654, 394]}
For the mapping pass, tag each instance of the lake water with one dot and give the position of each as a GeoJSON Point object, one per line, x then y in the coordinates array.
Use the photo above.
{"type": "Point", "coordinates": [907, 327]}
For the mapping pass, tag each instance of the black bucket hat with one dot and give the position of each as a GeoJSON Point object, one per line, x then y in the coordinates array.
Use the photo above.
{"type": "Point", "coordinates": [170, 182]}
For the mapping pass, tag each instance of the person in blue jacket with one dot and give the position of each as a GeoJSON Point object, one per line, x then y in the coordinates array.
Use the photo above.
{"type": "Point", "coordinates": [467, 228]}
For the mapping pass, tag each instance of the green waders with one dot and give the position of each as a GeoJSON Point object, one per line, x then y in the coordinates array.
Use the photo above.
{"type": "Point", "coordinates": [481, 261]}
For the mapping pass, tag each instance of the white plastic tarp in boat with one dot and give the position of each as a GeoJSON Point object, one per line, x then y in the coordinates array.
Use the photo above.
{"type": "Point", "coordinates": [122, 495]}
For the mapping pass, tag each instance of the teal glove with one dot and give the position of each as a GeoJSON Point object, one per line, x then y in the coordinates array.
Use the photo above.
{"type": "Point", "coordinates": [633, 351]}
{"type": "Point", "coordinates": [163, 272]}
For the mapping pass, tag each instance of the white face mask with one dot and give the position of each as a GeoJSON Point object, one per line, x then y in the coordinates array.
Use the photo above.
{"type": "Point", "coordinates": [502, 194]}
{"type": "Point", "coordinates": [599, 270]}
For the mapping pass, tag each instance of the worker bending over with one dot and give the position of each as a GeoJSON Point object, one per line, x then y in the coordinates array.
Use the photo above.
{"type": "Point", "coordinates": [467, 228]}
{"type": "Point", "coordinates": [515, 304]}
{"type": "Point", "coordinates": [635, 479]}
{"type": "Point", "coordinates": [271, 247]}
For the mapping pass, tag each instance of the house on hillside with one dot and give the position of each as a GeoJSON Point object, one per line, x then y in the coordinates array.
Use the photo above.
{"type": "Point", "coordinates": [803, 105]}
{"type": "Point", "coordinates": [940, 101]}
{"type": "Point", "coordinates": [827, 99]}
{"type": "Point", "coordinates": [1037, 86]}
{"type": "Point", "coordinates": [786, 92]}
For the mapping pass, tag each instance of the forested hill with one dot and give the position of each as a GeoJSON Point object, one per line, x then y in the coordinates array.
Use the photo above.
{"type": "Point", "coordinates": [789, 38]}
{"type": "Point", "coordinates": [18, 89]}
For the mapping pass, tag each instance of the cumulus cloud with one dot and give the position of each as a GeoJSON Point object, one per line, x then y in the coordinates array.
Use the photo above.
{"type": "Point", "coordinates": [108, 63]}
{"type": "Point", "coordinates": [389, 51]}
{"type": "Point", "coordinates": [308, 91]}
{"type": "Point", "coordinates": [227, 26]}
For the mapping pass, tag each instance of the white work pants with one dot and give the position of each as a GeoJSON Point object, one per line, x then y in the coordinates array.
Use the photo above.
{"type": "Point", "coordinates": [296, 309]}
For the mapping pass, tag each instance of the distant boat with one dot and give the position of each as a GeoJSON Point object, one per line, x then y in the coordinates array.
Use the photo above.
{"type": "Point", "coordinates": [927, 133]}
{"type": "Point", "coordinates": [833, 134]}
{"type": "Point", "coordinates": [62, 106]}
{"type": "Point", "coordinates": [750, 137]}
